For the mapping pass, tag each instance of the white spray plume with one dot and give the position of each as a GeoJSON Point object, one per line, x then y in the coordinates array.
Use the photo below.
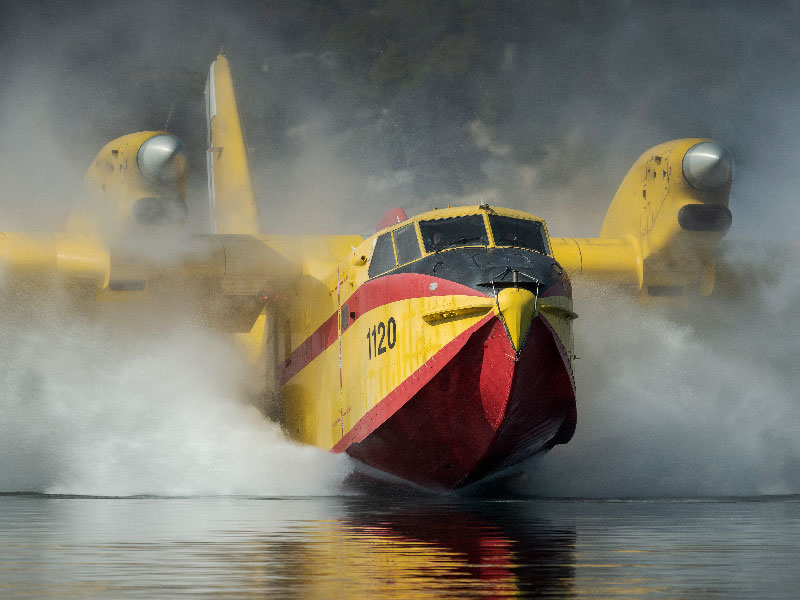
{"type": "Point", "coordinates": [700, 401]}
{"type": "Point", "coordinates": [102, 409]}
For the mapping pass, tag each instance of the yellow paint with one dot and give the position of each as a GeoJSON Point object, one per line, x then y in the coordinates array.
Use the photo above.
{"type": "Point", "coordinates": [517, 308]}
{"type": "Point", "coordinates": [557, 311]}
{"type": "Point", "coordinates": [641, 243]}
{"type": "Point", "coordinates": [233, 205]}
{"type": "Point", "coordinates": [252, 342]}
{"type": "Point", "coordinates": [606, 259]}
{"type": "Point", "coordinates": [371, 367]}
{"type": "Point", "coordinates": [113, 185]}
{"type": "Point", "coordinates": [457, 307]}
{"type": "Point", "coordinates": [71, 257]}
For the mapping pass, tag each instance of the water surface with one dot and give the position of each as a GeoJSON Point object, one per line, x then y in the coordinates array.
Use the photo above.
{"type": "Point", "coordinates": [359, 547]}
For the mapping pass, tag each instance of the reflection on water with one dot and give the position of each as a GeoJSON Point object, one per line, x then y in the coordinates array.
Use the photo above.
{"type": "Point", "coordinates": [436, 549]}
{"type": "Point", "coordinates": [373, 547]}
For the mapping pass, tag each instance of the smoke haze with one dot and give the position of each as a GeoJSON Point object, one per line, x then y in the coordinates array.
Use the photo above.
{"type": "Point", "coordinates": [149, 406]}
{"type": "Point", "coordinates": [696, 401]}
{"type": "Point", "coordinates": [354, 107]}
{"type": "Point", "coordinates": [541, 106]}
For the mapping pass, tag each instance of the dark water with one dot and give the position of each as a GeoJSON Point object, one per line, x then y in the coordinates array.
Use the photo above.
{"type": "Point", "coordinates": [359, 547]}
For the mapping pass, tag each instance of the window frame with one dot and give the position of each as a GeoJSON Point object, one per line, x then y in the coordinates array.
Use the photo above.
{"type": "Point", "coordinates": [420, 250]}
{"type": "Point", "coordinates": [491, 243]}
{"type": "Point", "coordinates": [486, 231]}
{"type": "Point", "coordinates": [545, 234]}
{"type": "Point", "coordinates": [372, 254]}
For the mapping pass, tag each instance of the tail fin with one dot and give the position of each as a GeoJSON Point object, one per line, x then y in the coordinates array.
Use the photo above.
{"type": "Point", "coordinates": [232, 203]}
{"type": "Point", "coordinates": [664, 223]}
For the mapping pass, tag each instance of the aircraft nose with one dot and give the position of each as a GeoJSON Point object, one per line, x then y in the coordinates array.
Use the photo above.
{"type": "Point", "coordinates": [162, 159]}
{"type": "Point", "coordinates": [707, 166]}
{"type": "Point", "coordinates": [516, 307]}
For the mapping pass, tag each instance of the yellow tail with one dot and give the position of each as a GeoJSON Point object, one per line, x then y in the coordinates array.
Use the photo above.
{"type": "Point", "coordinates": [665, 221]}
{"type": "Point", "coordinates": [232, 202]}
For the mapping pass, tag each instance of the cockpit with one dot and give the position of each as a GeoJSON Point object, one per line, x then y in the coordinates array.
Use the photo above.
{"type": "Point", "coordinates": [441, 234]}
{"type": "Point", "coordinates": [430, 235]}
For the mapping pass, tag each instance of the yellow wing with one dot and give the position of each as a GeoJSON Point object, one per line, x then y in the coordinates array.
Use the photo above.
{"type": "Point", "coordinates": [663, 225]}
{"type": "Point", "coordinates": [126, 240]}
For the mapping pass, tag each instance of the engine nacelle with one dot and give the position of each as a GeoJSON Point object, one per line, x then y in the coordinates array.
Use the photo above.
{"type": "Point", "coordinates": [136, 183]}
{"type": "Point", "coordinates": [662, 227]}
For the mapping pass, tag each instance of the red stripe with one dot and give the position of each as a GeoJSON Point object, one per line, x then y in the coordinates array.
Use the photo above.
{"type": "Point", "coordinates": [367, 297]}
{"type": "Point", "coordinates": [401, 394]}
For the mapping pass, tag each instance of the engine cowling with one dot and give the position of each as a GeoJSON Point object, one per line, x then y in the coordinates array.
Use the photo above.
{"type": "Point", "coordinates": [664, 223]}
{"type": "Point", "coordinates": [136, 184]}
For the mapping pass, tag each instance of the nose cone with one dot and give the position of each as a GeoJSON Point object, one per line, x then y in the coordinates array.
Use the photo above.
{"type": "Point", "coordinates": [516, 307]}
{"type": "Point", "coordinates": [707, 166]}
{"type": "Point", "coordinates": [162, 159]}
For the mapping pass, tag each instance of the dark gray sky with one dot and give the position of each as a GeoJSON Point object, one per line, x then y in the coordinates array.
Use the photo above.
{"type": "Point", "coordinates": [353, 107]}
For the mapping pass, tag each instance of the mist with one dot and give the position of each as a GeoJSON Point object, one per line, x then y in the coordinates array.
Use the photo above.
{"type": "Point", "coordinates": [352, 108]}
{"type": "Point", "coordinates": [146, 405]}
{"type": "Point", "coordinates": [690, 401]}
{"type": "Point", "coordinates": [539, 106]}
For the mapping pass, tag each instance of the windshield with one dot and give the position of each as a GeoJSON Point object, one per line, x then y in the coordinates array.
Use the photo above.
{"type": "Point", "coordinates": [382, 256]}
{"type": "Point", "coordinates": [521, 233]}
{"type": "Point", "coordinates": [440, 234]}
{"type": "Point", "coordinates": [406, 244]}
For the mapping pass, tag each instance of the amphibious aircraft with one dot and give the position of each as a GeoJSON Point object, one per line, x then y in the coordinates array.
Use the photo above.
{"type": "Point", "coordinates": [438, 350]}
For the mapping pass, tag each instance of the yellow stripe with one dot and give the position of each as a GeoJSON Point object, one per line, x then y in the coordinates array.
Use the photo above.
{"type": "Point", "coordinates": [371, 369]}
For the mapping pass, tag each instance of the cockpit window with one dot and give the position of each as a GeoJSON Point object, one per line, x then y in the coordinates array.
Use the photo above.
{"type": "Point", "coordinates": [521, 233]}
{"type": "Point", "coordinates": [440, 234]}
{"type": "Point", "coordinates": [406, 244]}
{"type": "Point", "coordinates": [382, 256]}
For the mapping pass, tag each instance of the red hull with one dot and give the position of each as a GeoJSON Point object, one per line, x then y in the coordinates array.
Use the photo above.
{"type": "Point", "coordinates": [482, 412]}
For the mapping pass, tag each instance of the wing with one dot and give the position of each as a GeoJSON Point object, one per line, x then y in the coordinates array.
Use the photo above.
{"type": "Point", "coordinates": [69, 259]}
{"type": "Point", "coordinates": [125, 241]}
{"type": "Point", "coordinates": [664, 223]}
{"type": "Point", "coordinates": [126, 235]}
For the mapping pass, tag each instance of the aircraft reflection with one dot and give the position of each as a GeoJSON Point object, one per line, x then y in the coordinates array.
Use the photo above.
{"type": "Point", "coordinates": [435, 548]}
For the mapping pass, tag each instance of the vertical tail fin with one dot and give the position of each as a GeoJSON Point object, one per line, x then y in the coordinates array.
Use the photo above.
{"type": "Point", "coordinates": [232, 203]}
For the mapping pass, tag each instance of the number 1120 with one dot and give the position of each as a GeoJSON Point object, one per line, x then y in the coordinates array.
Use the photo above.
{"type": "Point", "coordinates": [380, 334]}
